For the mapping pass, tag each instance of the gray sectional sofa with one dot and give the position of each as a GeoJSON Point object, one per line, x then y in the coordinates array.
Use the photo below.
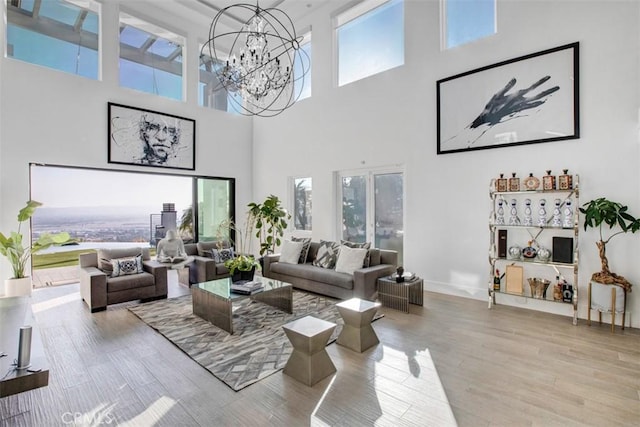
{"type": "Point", "coordinates": [362, 284]}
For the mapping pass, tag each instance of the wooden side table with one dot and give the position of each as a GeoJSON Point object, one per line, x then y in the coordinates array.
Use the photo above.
{"type": "Point", "coordinates": [309, 363]}
{"type": "Point", "coordinates": [357, 332]}
{"type": "Point", "coordinates": [399, 295]}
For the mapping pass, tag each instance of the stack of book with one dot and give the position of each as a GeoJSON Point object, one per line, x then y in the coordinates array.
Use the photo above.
{"type": "Point", "coordinates": [246, 287]}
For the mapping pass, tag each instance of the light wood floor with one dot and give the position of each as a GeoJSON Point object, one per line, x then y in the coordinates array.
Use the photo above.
{"type": "Point", "coordinates": [451, 361]}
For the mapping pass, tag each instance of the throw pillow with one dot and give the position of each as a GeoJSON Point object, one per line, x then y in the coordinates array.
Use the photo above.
{"type": "Point", "coordinates": [327, 254]}
{"type": "Point", "coordinates": [305, 248]}
{"type": "Point", "coordinates": [222, 255]}
{"type": "Point", "coordinates": [290, 253]}
{"type": "Point", "coordinates": [350, 259]}
{"type": "Point", "coordinates": [365, 245]}
{"type": "Point", "coordinates": [126, 266]}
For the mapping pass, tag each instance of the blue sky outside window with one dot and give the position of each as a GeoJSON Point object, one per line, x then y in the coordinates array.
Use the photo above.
{"type": "Point", "coordinates": [469, 20]}
{"type": "Point", "coordinates": [148, 79]}
{"type": "Point", "coordinates": [297, 71]}
{"type": "Point", "coordinates": [371, 43]}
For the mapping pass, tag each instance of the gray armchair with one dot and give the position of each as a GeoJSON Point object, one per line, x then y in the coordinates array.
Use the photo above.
{"type": "Point", "coordinates": [98, 288]}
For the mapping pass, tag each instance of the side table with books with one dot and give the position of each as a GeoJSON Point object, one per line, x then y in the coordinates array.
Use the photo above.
{"type": "Point", "coordinates": [398, 295]}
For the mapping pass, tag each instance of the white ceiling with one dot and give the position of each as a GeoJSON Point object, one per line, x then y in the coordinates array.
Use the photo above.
{"type": "Point", "coordinates": [203, 11]}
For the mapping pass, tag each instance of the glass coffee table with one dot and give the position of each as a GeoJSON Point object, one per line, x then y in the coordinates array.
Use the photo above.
{"type": "Point", "coordinates": [213, 300]}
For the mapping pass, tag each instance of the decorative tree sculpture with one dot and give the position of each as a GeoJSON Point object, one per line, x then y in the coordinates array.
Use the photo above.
{"type": "Point", "coordinates": [602, 211]}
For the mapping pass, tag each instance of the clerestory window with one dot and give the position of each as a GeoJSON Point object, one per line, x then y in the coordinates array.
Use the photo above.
{"type": "Point", "coordinates": [57, 34]}
{"type": "Point", "coordinates": [464, 21]}
{"type": "Point", "coordinates": [369, 39]}
{"type": "Point", "coordinates": [150, 58]}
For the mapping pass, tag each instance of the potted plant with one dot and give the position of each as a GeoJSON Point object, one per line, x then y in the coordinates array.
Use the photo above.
{"type": "Point", "coordinates": [602, 211]}
{"type": "Point", "coordinates": [270, 220]}
{"type": "Point", "coordinates": [18, 255]}
{"type": "Point", "coordinates": [243, 265]}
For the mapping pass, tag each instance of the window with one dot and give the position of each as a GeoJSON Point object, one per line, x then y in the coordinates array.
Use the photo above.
{"type": "Point", "coordinates": [373, 208]}
{"type": "Point", "coordinates": [210, 93]}
{"type": "Point", "coordinates": [150, 58]}
{"type": "Point", "coordinates": [369, 41]}
{"type": "Point", "coordinates": [467, 20]}
{"type": "Point", "coordinates": [302, 203]}
{"type": "Point", "coordinates": [302, 85]}
{"type": "Point", "coordinates": [54, 34]}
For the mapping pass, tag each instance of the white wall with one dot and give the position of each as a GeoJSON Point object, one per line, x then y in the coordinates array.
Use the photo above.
{"type": "Point", "coordinates": [57, 118]}
{"type": "Point", "coordinates": [390, 119]}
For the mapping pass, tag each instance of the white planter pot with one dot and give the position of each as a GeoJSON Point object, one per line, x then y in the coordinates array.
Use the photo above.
{"type": "Point", "coordinates": [601, 297]}
{"type": "Point", "coordinates": [17, 287]}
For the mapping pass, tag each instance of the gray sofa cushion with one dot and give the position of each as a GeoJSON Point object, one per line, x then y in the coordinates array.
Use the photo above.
{"type": "Point", "coordinates": [311, 272]}
{"type": "Point", "coordinates": [204, 248]}
{"type": "Point", "coordinates": [191, 249]}
{"type": "Point", "coordinates": [133, 281]}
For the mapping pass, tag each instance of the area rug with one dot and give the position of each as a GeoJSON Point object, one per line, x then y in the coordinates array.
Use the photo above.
{"type": "Point", "coordinates": [258, 348]}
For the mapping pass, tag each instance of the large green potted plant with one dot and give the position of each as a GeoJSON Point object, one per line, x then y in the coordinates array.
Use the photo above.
{"type": "Point", "coordinates": [270, 220]}
{"type": "Point", "coordinates": [18, 254]}
{"type": "Point", "coordinates": [599, 212]}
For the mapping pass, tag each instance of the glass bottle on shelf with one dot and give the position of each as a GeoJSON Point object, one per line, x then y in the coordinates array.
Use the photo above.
{"type": "Point", "coordinates": [531, 183]}
{"type": "Point", "coordinates": [567, 221]}
{"type": "Point", "coordinates": [542, 213]}
{"type": "Point", "coordinates": [500, 212]}
{"type": "Point", "coordinates": [528, 219]}
{"type": "Point", "coordinates": [501, 184]}
{"type": "Point", "coordinates": [557, 221]}
{"type": "Point", "coordinates": [513, 219]}
{"type": "Point", "coordinates": [496, 281]}
{"type": "Point", "coordinates": [514, 183]}
{"type": "Point", "coordinates": [548, 182]}
{"type": "Point", "coordinates": [565, 181]}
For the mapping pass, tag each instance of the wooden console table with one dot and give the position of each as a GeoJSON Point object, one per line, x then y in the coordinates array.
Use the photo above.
{"type": "Point", "coordinates": [15, 312]}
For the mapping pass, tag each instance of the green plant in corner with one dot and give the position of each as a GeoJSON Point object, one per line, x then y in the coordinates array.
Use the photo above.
{"type": "Point", "coordinates": [270, 222]}
{"type": "Point", "coordinates": [602, 211]}
{"type": "Point", "coordinates": [17, 254]}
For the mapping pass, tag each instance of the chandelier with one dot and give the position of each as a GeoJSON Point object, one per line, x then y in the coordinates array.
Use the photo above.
{"type": "Point", "coordinates": [255, 64]}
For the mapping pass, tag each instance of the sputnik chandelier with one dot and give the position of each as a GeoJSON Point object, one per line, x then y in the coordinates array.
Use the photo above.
{"type": "Point", "coordinates": [257, 62]}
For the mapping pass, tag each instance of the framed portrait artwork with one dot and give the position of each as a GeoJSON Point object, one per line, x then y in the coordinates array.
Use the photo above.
{"type": "Point", "coordinates": [150, 138]}
{"type": "Point", "coordinates": [526, 100]}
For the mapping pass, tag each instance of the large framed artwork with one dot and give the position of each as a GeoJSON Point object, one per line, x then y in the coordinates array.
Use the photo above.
{"type": "Point", "coordinates": [526, 100]}
{"type": "Point", "coordinates": [150, 138]}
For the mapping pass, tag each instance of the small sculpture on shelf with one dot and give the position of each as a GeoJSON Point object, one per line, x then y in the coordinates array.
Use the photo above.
{"type": "Point", "coordinates": [528, 219]}
{"type": "Point", "coordinates": [544, 254]}
{"type": "Point", "coordinates": [542, 213]}
{"type": "Point", "coordinates": [500, 212]}
{"type": "Point", "coordinates": [513, 219]}
{"type": "Point", "coordinates": [557, 214]}
{"type": "Point", "coordinates": [567, 221]}
{"type": "Point", "coordinates": [400, 274]}
{"type": "Point", "coordinates": [515, 252]}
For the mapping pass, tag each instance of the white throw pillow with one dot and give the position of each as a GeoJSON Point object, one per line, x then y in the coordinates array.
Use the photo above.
{"type": "Point", "coordinates": [350, 259]}
{"type": "Point", "coordinates": [290, 253]}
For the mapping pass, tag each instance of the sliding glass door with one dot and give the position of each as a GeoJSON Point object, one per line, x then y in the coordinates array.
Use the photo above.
{"type": "Point", "coordinates": [372, 208]}
{"type": "Point", "coordinates": [215, 204]}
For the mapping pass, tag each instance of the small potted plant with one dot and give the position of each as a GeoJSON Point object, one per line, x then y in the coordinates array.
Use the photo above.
{"type": "Point", "coordinates": [18, 254]}
{"type": "Point", "coordinates": [243, 265]}
{"type": "Point", "coordinates": [597, 213]}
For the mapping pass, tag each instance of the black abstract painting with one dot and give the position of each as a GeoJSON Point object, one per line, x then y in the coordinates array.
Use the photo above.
{"type": "Point", "coordinates": [530, 99]}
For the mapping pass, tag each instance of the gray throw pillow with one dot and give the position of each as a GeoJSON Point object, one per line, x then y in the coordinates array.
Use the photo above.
{"type": "Point", "coordinates": [327, 254]}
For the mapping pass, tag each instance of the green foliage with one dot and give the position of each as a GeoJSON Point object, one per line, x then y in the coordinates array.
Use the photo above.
{"type": "Point", "coordinates": [270, 219]}
{"type": "Point", "coordinates": [12, 247]}
{"type": "Point", "coordinates": [602, 211]}
{"type": "Point", "coordinates": [242, 263]}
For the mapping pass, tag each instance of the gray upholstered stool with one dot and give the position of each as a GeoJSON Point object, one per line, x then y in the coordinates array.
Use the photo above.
{"type": "Point", "coordinates": [357, 333]}
{"type": "Point", "coordinates": [309, 362]}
